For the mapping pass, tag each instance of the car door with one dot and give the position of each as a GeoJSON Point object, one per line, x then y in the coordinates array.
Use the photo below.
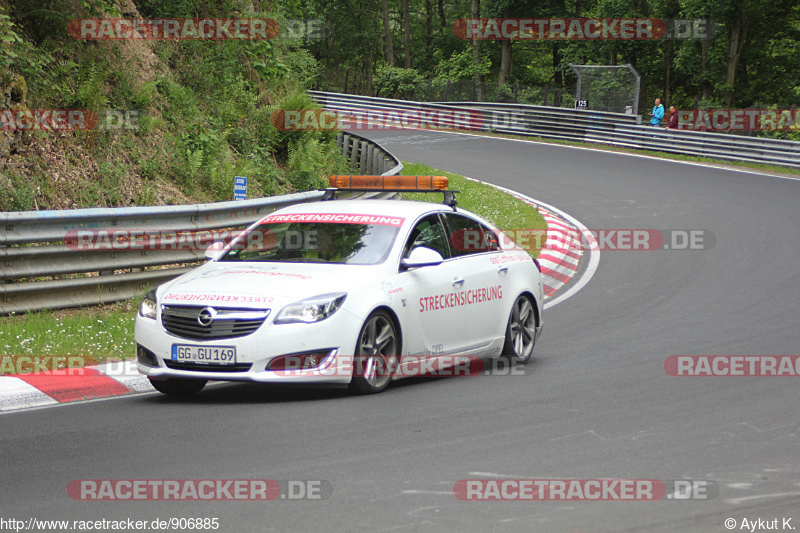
{"type": "Point", "coordinates": [474, 262]}
{"type": "Point", "coordinates": [435, 325]}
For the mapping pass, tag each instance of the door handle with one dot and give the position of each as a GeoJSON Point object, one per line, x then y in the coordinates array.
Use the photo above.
{"type": "Point", "coordinates": [458, 281]}
{"type": "Point", "coordinates": [502, 269]}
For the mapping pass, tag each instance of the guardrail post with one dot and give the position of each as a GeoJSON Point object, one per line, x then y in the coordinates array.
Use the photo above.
{"type": "Point", "coordinates": [369, 157]}
{"type": "Point", "coordinates": [355, 147]}
{"type": "Point", "coordinates": [377, 161]}
{"type": "Point", "coordinates": [363, 152]}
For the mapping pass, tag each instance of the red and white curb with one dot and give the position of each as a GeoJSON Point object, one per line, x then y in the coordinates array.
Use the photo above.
{"type": "Point", "coordinates": [561, 254]}
{"type": "Point", "coordinates": [42, 389]}
{"type": "Point", "coordinates": [562, 251]}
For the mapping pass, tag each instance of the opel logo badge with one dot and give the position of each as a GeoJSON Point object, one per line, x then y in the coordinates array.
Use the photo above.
{"type": "Point", "coordinates": [206, 316]}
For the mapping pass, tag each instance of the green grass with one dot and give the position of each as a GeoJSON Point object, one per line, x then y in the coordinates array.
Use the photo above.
{"type": "Point", "coordinates": [93, 334]}
{"type": "Point", "coordinates": [504, 211]}
{"type": "Point", "coordinates": [106, 333]}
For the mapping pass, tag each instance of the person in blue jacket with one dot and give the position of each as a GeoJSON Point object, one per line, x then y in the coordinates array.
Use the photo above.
{"type": "Point", "coordinates": [657, 114]}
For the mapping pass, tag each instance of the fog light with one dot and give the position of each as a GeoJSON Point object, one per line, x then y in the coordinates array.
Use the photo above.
{"type": "Point", "coordinates": [145, 356]}
{"type": "Point", "coordinates": [300, 361]}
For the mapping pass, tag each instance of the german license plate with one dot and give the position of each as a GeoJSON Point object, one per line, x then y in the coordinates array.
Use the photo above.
{"type": "Point", "coordinates": [216, 355]}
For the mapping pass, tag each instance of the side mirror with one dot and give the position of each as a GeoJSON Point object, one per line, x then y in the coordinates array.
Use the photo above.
{"type": "Point", "coordinates": [422, 256]}
{"type": "Point", "coordinates": [214, 250]}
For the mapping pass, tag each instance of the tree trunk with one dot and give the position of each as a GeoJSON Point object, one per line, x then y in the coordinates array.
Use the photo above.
{"type": "Point", "coordinates": [505, 56]}
{"type": "Point", "coordinates": [387, 32]}
{"type": "Point", "coordinates": [705, 44]}
{"type": "Point", "coordinates": [735, 38]}
{"type": "Point", "coordinates": [505, 62]}
{"type": "Point", "coordinates": [406, 35]}
{"type": "Point", "coordinates": [670, 61]}
{"type": "Point", "coordinates": [442, 19]}
{"type": "Point", "coordinates": [559, 10]}
{"type": "Point", "coordinates": [429, 31]}
{"type": "Point", "coordinates": [558, 76]}
{"type": "Point", "coordinates": [370, 57]}
{"type": "Point", "coordinates": [476, 57]}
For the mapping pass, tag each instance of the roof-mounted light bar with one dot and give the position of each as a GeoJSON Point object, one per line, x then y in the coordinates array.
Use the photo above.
{"type": "Point", "coordinates": [391, 183]}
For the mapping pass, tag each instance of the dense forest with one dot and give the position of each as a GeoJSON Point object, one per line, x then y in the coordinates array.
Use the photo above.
{"type": "Point", "coordinates": [202, 107]}
{"type": "Point", "coordinates": [742, 54]}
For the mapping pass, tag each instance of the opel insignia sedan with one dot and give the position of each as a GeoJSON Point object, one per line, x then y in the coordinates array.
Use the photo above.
{"type": "Point", "coordinates": [347, 292]}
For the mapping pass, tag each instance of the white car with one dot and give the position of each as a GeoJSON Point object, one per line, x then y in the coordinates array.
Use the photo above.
{"type": "Point", "coordinates": [342, 292]}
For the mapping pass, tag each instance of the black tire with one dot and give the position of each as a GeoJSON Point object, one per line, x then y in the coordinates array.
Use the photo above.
{"type": "Point", "coordinates": [376, 354]}
{"type": "Point", "coordinates": [177, 387]}
{"type": "Point", "coordinates": [521, 330]}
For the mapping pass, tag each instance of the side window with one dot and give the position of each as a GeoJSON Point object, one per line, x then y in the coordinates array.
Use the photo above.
{"type": "Point", "coordinates": [467, 236]}
{"type": "Point", "coordinates": [428, 232]}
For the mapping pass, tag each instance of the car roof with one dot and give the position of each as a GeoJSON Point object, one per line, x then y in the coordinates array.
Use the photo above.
{"type": "Point", "coordinates": [394, 208]}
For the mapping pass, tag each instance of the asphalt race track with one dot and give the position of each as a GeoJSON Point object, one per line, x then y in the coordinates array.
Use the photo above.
{"type": "Point", "coordinates": [596, 402]}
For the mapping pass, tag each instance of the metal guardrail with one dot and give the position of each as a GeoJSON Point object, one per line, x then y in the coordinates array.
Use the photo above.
{"type": "Point", "coordinates": [367, 157]}
{"type": "Point", "coordinates": [702, 144]}
{"type": "Point", "coordinates": [616, 129]}
{"type": "Point", "coordinates": [39, 269]}
{"type": "Point", "coordinates": [518, 119]}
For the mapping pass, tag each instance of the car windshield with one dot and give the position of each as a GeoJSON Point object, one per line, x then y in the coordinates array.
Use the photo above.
{"type": "Point", "coordinates": [315, 242]}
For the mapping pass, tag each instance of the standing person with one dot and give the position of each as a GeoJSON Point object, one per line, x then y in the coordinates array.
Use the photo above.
{"type": "Point", "coordinates": [657, 114]}
{"type": "Point", "coordinates": [672, 123]}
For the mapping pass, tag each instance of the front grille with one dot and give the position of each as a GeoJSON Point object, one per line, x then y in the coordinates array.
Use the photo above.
{"type": "Point", "coordinates": [199, 367]}
{"type": "Point", "coordinates": [224, 323]}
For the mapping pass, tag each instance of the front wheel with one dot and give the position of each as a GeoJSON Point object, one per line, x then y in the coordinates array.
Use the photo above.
{"type": "Point", "coordinates": [177, 387]}
{"type": "Point", "coordinates": [376, 354]}
{"type": "Point", "coordinates": [520, 331]}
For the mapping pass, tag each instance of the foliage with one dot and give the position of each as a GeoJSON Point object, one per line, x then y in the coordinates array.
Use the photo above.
{"type": "Point", "coordinates": [393, 82]}
{"type": "Point", "coordinates": [99, 8]}
{"type": "Point", "coordinates": [204, 113]}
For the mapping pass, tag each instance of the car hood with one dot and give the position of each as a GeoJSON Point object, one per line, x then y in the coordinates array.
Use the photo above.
{"type": "Point", "coordinates": [256, 285]}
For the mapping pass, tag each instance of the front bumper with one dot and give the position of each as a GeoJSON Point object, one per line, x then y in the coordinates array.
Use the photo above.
{"type": "Point", "coordinates": [336, 336]}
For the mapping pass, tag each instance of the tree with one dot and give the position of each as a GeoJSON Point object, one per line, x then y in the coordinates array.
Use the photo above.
{"type": "Point", "coordinates": [387, 32]}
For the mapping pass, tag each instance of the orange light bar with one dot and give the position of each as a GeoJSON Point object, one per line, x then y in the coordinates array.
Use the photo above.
{"type": "Point", "coordinates": [392, 183]}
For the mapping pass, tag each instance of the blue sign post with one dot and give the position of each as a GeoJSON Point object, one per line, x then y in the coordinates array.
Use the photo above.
{"type": "Point", "coordinates": [240, 188]}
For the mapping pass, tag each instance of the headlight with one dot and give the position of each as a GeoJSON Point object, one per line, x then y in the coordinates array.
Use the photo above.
{"type": "Point", "coordinates": [147, 308]}
{"type": "Point", "coordinates": [311, 309]}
